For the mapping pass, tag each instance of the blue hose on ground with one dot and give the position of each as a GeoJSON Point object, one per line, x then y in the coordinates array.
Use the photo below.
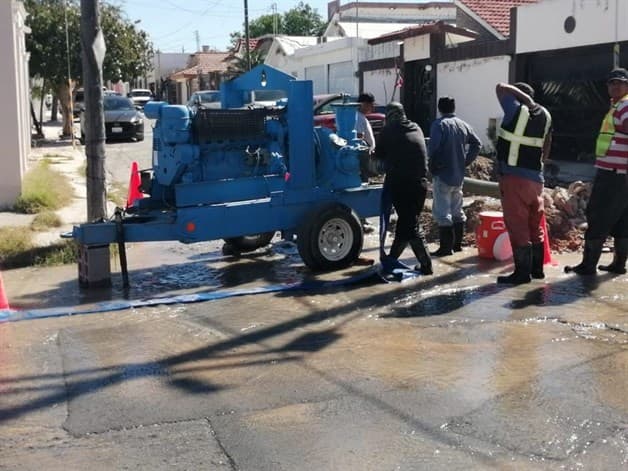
{"type": "Point", "coordinates": [108, 306]}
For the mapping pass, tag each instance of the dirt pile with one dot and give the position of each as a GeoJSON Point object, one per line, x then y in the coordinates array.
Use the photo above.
{"type": "Point", "coordinates": [482, 168]}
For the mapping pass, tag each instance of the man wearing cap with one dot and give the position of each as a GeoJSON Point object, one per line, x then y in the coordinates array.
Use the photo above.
{"type": "Point", "coordinates": [401, 146]}
{"type": "Point", "coordinates": [607, 210]}
{"type": "Point", "coordinates": [453, 145]}
{"type": "Point", "coordinates": [362, 125]}
{"type": "Point", "coordinates": [365, 131]}
{"type": "Point", "coordinates": [523, 143]}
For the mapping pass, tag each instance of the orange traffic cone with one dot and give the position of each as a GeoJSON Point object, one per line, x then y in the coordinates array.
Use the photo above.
{"type": "Point", "coordinates": [547, 254]}
{"type": "Point", "coordinates": [4, 302]}
{"type": "Point", "coordinates": [134, 186]}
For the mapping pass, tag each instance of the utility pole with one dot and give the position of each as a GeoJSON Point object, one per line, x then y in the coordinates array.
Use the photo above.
{"type": "Point", "coordinates": [246, 35]}
{"type": "Point", "coordinates": [93, 46]}
{"type": "Point", "coordinates": [274, 10]}
{"type": "Point", "coordinates": [198, 41]}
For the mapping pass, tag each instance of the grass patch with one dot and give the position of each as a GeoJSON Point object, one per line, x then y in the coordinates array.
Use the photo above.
{"type": "Point", "coordinates": [117, 193]}
{"type": "Point", "coordinates": [14, 242]}
{"type": "Point", "coordinates": [45, 220]}
{"type": "Point", "coordinates": [43, 189]}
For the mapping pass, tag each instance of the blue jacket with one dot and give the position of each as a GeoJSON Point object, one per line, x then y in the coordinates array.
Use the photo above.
{"type": "Point", "coordinates": [453, 145]}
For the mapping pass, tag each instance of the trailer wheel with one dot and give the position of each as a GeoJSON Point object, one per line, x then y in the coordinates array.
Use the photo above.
{"type": "Point", "coordinates": [250, 242]}
{"type": "Point", "coordinates": [331, 238]}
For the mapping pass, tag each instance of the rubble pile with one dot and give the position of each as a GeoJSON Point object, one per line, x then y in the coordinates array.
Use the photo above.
{"type": "Point", "coordinates": [565, 213]}
{"type": "Point", "coordinates": [482, 168]}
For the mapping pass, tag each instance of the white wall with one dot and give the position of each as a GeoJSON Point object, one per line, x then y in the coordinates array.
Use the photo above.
{"type": "Point", "coordinates": [472, 84]}
{"type": "Point", "coordinates": [15, 123]}
{"type": "Point", "coordinates": [381, 83]}
{"type": "Point", "coordinates": [416, 48]}
{"type": "Point", "coordinates": [540, 26]}
{"type": "Point", "coordinates": [326, 55]}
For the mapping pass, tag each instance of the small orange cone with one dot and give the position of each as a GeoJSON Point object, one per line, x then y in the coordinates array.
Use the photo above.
{"type": "Point", "coordinates": [547, 254]}
{"type": "Point", "coordinates": [134, 186]}
{"type": "Point", "coordinates": [4, 302]}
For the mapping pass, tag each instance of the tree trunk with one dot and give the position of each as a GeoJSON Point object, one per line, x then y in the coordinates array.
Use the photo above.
{"type": "Point", "coordinates": [37, 124]}
{"type": "Point", "coordinates": [63, 92]}
{"type": "Point", "coordinates": [93, 47]}
{"type": "Point", "coordinates": [54, 109]}
{"type": "Point", "coordinates": [41, 102]}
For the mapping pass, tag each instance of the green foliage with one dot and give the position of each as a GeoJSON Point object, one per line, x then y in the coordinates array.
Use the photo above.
{"type": "Point", "coordinates": [238, 64]}
{"type": "Point", "coordinates": [129, 52]}
{"type": "Point", "coordinates": [14, 241]}
{"type": "Point", "coordinates": [302, 20]}
{"type": "Point", "coordinates": [43, 189]}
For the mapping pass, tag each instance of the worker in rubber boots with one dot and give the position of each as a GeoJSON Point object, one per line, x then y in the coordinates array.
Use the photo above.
{"type": "Point", "coordinates": [607, 210]}
{"type": "Point", "coordinates": [523, 143]}
{"type": "Point", "coordinates": [453, 146]}
{"type": "Point", "coordinates": [401, 146]}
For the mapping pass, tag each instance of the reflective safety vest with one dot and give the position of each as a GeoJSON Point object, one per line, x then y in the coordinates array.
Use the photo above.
{"type": "Point", "coordinates": [607, 130]}
{"type": "Point", "coordinates": [520, 143]}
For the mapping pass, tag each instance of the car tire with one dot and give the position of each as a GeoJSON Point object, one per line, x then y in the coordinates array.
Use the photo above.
{"type": "Point", "coordinates": [331, 238]}
{"type": "Point", "coordinates": [251, 242]}
{"type": "Point", "coordinates": [82, 138]}
{"type": "Point", "coordinates": [139, 137]}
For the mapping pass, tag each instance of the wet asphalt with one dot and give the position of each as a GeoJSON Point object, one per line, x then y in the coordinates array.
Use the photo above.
{"type": "Point", "coordinates": [444, 372]}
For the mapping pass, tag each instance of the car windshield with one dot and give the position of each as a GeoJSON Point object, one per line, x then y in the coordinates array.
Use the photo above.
{"type": "Point", "coordinates": [144, 93]}
{"type": "Point", "coordinates": [327, 108]}
{"type": "Point", "coordinates": [209, 97]}
{"type": "Point", "coordinates": [112, 103]}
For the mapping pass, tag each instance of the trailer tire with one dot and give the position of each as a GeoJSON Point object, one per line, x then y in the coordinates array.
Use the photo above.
{"type": "Point", "coordinates": [250, 242]}
{"type": "Point", "coordinates": [331, 238]}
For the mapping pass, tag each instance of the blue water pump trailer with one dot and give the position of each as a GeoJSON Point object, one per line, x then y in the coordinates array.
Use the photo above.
{"type": "Point", "coordinates": [242, 173]}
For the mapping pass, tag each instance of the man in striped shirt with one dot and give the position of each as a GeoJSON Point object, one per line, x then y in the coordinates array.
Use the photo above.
{"type": "Point", "coordinates": [607, 211]}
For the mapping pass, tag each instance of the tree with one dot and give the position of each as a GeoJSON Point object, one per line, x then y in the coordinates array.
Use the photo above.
{"type": "Point", "coordinates": [301, 20]}
{"type": "Point", "coordinates": [129, 52]}
{"type": "Point", "coordinates": [239, 65]}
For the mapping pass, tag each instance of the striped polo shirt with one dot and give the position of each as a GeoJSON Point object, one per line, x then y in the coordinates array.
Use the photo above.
{"type": "Point", "coordinates": [616, 157]}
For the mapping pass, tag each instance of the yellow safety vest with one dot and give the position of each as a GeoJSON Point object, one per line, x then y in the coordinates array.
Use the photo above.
{"type": "Point", "coordinates": [517, 138]}
{"type": "Point", "coordinates": [607, 130]}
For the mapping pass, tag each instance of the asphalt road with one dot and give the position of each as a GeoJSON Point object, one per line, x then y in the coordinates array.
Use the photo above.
{"type": "Point", "coordinates": [449, 372]}
{"type": "Point", "coordinates": [121, 154]}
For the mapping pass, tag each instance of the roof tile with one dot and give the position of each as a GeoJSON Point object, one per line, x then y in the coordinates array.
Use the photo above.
{"type": "Point", "coordinates": [495, 12]}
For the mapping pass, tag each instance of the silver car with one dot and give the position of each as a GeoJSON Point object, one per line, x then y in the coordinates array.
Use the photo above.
{"type": "Point", "coordinates": [122, 119]}
{"type": "Point", "coordinates": [204, 99]}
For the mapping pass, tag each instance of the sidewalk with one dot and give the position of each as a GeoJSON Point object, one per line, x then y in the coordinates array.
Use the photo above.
{"type": "Point", "coordinates": [67, 159]}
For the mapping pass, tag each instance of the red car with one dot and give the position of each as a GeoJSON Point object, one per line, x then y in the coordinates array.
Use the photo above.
{"type": "Point", "coordinates": [325, 116]}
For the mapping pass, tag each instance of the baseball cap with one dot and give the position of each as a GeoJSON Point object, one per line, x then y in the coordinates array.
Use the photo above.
{"type": "Point", "coordinates": [525, 88]}
{"type": "Point", "coordinates": [366, 98]}
{"type": "Point", "coordinates": [618, 74]}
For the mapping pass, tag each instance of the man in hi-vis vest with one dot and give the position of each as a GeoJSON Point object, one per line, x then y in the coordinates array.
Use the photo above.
{"type": "Point", "coordinates": [523, 143]}
{"type": "Point", "coordinates": [607, 211]}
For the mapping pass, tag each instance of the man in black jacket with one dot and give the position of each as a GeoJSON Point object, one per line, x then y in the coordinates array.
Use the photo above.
{"type": "Point", "coordinates": [401, 146]}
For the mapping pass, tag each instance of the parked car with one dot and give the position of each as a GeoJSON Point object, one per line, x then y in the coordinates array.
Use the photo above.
{"type": "Point", "coordinates": [325, 115]}
{"type": "Point", "coordinates": [78, 102]}
{"type": "Point", "coordinates": [204, 99]}
{"type": "Point", "coordinates": [140, 96]}
{"type": "Point", "coordinates": [122, 119]}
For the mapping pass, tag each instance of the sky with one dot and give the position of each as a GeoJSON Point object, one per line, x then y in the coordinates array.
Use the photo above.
{"type": "Point", "coordinates": [173, 24]}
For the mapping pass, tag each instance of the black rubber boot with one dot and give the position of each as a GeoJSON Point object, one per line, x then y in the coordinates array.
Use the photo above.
{"type": "Point", "coordinates": [618, 265]}
{"type": "Point", "coordinates": [590, 257]}
{"type": "Point", "coordinates": [523, 264]}
{"type": "Point", "coordinates": [425, 262]}
{"type": "Point", "coordinates": [446, 236]}
{"type": "Point", "coordinates": [538, 257]}
{"type": "Point", "coordinates": [458, 236]}
{"type": "Point", "coordinates": [397, 248]}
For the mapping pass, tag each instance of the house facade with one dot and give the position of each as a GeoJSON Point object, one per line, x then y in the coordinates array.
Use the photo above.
{"type": "Point", "coordinates": [15, 122]}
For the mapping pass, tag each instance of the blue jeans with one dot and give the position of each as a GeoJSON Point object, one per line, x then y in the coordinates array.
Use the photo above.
{"type": "Point", "coordinates": [446, 203]}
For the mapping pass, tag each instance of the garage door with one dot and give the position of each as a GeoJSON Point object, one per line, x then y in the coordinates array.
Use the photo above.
{"type": "Point", "coordinates": [342, 78]}
{"type": "Point", "coordinates": [317, 75]}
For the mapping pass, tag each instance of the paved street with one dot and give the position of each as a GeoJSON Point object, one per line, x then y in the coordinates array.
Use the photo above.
{"type": "Point", "coordinates": [446, 372]}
